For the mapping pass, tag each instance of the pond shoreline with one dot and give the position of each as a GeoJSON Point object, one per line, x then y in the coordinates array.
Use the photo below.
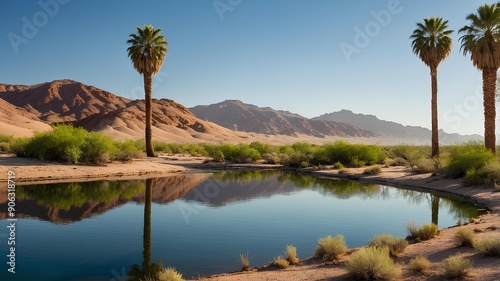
{"type": "Point", "coordinates": [32, 171]}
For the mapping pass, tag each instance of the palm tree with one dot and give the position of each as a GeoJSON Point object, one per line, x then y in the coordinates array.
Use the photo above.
{"type": "Point", "coordinates": [481, 40]}
{"type": "Point", "coordinates": [432, 44]}
{"type": "Point", "coordinates": [147, 51]}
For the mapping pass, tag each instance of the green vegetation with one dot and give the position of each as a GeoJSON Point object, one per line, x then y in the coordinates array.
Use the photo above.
{"type": "Point", "coordinates": [280, 262]}
{"type": "Point", "coordinates": [245, 261]}
{"type": "Point", "coordinates": [373, 170]}
{"type": "Point", "coordinates": [291, 254]}
{"type": "Point", "coordinates": [464, 237]}
{"type": "Point", "coordinates": [330, 248]}
{"type": "Point", "coordinates": [424, 232]}
{"type": "Point", "coordinates": [373, 263]}
{"type": "Point", "coordinates": [488, 246]}
{"type": "Point", "coordinates": [395, 245]}
{"type": "Point", "coordinates": [456, 267]}
{"type": "Point", "coordinates": [419, 264]}
{"type": "Point", "coordinates": [467, 160]}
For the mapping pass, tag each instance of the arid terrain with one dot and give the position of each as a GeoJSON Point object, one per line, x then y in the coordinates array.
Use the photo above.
{"type": "Point", "coordinates": [436, 249]}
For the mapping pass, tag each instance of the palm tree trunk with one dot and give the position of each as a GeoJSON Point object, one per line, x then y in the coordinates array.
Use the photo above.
{"type": "Point", "coordinates": [148, 81]}
{"type": "Point", "coordinates": [434, 113]}
{"type": "Point", "coordinates": [489, 91]}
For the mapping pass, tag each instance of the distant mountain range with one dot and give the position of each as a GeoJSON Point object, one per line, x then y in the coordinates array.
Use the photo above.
{"type": "Point", "coordinates": [25, 109]}
{"type": "Point", "coordinates": [236, 115]}
{"type": "Point", "coordinates": [239, 116]}
{"type": "Point", "coordinates": [393, 129]}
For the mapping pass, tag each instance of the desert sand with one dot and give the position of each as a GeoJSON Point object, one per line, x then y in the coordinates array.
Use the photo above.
{"type": "Point", "coordinates": [436, 249]}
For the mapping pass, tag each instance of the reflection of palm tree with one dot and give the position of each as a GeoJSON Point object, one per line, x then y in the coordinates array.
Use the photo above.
{"type": "Point", "coordinates": [435, 209]}
{"type": "Point", "coordinates": [148, 268]}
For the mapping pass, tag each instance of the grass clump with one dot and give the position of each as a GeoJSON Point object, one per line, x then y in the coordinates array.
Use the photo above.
{"type": "Point", "coordinates": [245, 261]}
{"type": "Point", "coordinates": [419, 264]}
{"type": "Point", "coordinates": [330, 248]}
{"type": "Point", "coordinates": [464, 237]}
{"type": "Point", "coordinates": [467, 159]}
{"type": "Point", "coordinates": [291, 254]}
{"type": "Point", "coordinates": [338, 165]}
{"type": "Point", "coordinates": [281, 262]}
{"type": "Point", "coordinates": [456, 267]}
{"type": "Point", "coordinates": [373, 264]}
{"type": "Point", "coordinates": [373, 170]}
{"type": "Point", "coordinates": [488, 246]}
{"type": "Point", "coordinates": [424, 232]}
{"type": "Point", "coordinates": [343, 171]}
{"type": "Point", "coordinates": [395, 245]}
{"type": "Point", "coordinates": [169, 274]}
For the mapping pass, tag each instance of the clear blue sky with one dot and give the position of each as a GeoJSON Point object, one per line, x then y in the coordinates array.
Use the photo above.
{"type": "Point", "coordinates": [287, 54]}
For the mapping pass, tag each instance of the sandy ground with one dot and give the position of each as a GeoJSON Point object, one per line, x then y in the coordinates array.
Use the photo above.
{"type": "Point", "coordinates": [436, 249]}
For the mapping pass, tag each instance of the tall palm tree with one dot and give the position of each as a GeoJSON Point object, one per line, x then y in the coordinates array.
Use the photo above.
{"type": "Point", "coordinates": [481, 40]}
{"type": "Point", "coordinates": [147, 51]}
{"type": "Point", "coordinates": [432, 44]}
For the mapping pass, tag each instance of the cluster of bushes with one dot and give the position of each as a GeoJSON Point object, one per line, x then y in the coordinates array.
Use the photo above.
{"type": "Point", "coordinates": [375, 262]}
{"type": "Point", "coordinates": [74, 145]}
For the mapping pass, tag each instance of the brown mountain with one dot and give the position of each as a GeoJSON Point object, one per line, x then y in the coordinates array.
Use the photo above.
{"type": "Point", "coordinates": [236, 115]}
{"type": "Point", "coordinates": [68, 101]}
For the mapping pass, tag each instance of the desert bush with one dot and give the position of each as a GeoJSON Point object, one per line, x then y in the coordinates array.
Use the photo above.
{"type": "Point", "coordinates": [4, 147]}
{"type": "Point", "coordinates": [343, 171]}
{"type": "Point", "coordinates": [18, 147]}
{"type": "Point", "coordinates": [373, 263]}
{"type": "Point", "coordinates": [426, 165]}
{"type": "Point", "coordinates": [169, 274]}
{"type": "Point", "coordinates": [245, 261]}
{"type": "Point", "coordinates": [424, 232]}
{"type": "Point", "coordinates": [456, 266]}
{"type": "Point", "coordinates": [291, 254]}
{"type": "Point", "coordinates": [126, 150]}
{"type": "Point", "coordinates": [64, 143]}
{"type": "Point", "coordinates": [338, 165]}
{"type": "Point", "coordinates": [427, 231]}
{"type": "Point", "coordinates": [96, 148]}
{"type": "Point", "coordinates": [410, 154]}
{"type": "Point", "coordinates": [281, 262]}
{"type": "Point", "coordinates": [159, 146]}
{"type": "Point", "coordinates": [395, 245]}
{"type": "Point", "coordinates": [468, 158]}
{"type": "Point", "coordinates": [464, 236]}
{"type": "Point", "coordinates": [419, 264]}
{"type": "Point", "coordinates": [488, 174]}
{"type": "Point", "coordinates": [373, 170]}
{"type": "Point", "coordinates": [487, 246]}
{"type": "Point", "coordinates": [330, 248]}
{"type": "Point", "coordinates": [353, 154]}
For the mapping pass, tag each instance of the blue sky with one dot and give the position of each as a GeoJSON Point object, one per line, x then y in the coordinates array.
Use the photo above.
{"type": "Point", "coordinates": [308, 57]}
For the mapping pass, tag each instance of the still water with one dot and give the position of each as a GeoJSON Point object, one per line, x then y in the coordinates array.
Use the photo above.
{"type": "Point", "coordinates": [199, 223]}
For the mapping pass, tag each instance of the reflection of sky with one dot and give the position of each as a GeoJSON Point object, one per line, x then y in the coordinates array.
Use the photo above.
{"type": "Point", "coordinates": [215, 236]}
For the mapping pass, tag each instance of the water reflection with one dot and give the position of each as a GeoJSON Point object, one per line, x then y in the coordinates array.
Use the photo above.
{"type": "Point", "coordinates": [65, 203]}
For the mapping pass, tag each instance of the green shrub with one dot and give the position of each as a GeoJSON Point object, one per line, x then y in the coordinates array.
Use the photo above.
{"type": "Point", "coordinates": [126, 151]}
{"type": "Point", "coordinates": [373, 264]}
{"type": "Point", "coordinates": [456, 266]}
{"type": "Point", "coordinates": [468, 157]}
{"type": "Point", "coordinates": [291, 254]}
{"type": "Point", "coordinates": [464, 237]}
{"type": "Point", "coordinates": [281, 262]}
{"type": "Point", "coordinates": [343, 171]}
{"type": "Point", "coordinates": [4, 147]}
{"type": "Point", "coordinates": [169, 274]}
{"type": "Point", "coordinates": [96, 148]}
{"type": "Point", "coordinates": [488, 246]}
{"type": "Point", "coordinates": [373, 170]}
{"type": "Point", "coordinates": [419, 264]}
{"type": "Point", "coordinates": [330, 248]}
{"type": "Point", "coordinates": [161, 147]}
{"type": "Point", "coordinates": [245, 261]}
{"type": "Point", "coordinates": [426, 165]}
{"type": "Point", "coordinates": [395, 245]}
{"type": "Point", "coordinates": [488, 174]}
{"type": "Point", "coordinates": [338, 165]}
{"type": "Point", "coordinates": [64, 143]}
{"type": "Point", "coordinates": [410, 155]}
{"type": "Point", "coordinates": [18, 147]}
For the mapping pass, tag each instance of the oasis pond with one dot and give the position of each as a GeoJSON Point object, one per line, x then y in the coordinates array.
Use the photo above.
{"type": "Point", "coordinates": [200, 222]}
